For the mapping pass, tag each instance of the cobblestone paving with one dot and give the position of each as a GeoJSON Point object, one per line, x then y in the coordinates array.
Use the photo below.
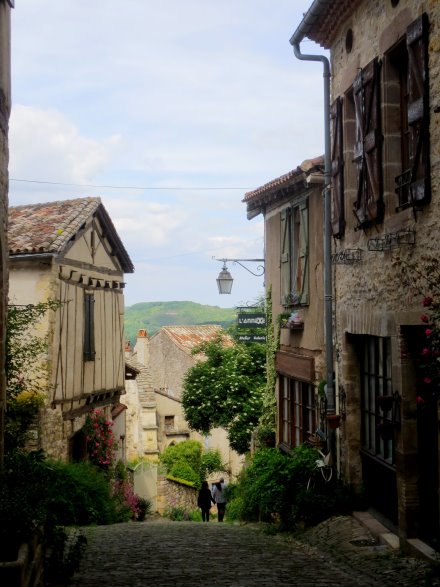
{"type": "Point", "coordinates": [161, 553]}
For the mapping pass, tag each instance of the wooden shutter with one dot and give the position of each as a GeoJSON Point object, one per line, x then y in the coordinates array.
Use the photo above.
{"type": "Point", "coordinates": [89, 331]}
{"type": "Point", "coordinates": [368, 207]}
{"type": "Point", "coordinates": [285, 271]}
{"type": "Point", "coordinates": [418, 109]}
{"type": "Point", "coordinates": [302, 254]}
{"type": "Point", "coordinates": [338, 212]}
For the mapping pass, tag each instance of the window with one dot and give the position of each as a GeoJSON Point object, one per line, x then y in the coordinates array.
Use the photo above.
{"type": "Point", "coordinates": [89, 330]}
{"type": "Point", "coordinates": [377, 398]}
{"type": "Point", "coordinates": [409, 68]}
{"type": "Point", "coordinates": [296, 411]}
{"type": "Point", "coordinates": [169, 423]}
{"type": "Point", "coordinates": [294, 266]}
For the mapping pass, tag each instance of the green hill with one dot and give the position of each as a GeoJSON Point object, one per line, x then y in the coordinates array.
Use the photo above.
{"type": "Point", "coordinates": [153, 315]}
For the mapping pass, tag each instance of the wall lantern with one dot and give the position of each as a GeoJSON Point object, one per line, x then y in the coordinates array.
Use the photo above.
{"type": "Point", "coordinates": [225, 279]}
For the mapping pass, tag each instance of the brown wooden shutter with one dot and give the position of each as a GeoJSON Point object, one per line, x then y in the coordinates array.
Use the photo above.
{"type": "Point", "coordinates": [302, 255]}
{"type": "Point", "coordinates": [368, 207]}
{"type": "Point", "coordinates": [418, 109]}
{"type": "Point", "coordinates": [285, 258]}
{"type": "Point", "coordinates": [338, 211]}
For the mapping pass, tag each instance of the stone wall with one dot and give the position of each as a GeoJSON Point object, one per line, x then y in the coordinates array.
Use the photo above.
{"type": "Point", "coordinates": [174, 494]}
{"type": "Point", "coordinates": [371, 296]}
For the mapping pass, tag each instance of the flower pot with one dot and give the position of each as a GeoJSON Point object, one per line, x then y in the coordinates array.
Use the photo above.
{"type": "Point", "coordinates": [333, 421]}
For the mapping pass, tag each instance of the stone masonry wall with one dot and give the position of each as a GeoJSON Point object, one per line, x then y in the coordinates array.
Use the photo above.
{"type": "Point", "coordinates": [174, 494]}
{"type": "Point", "coordinates": [370, 296]}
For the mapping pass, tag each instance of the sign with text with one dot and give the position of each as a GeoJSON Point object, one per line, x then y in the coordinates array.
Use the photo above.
{"type": "Point", "coordinates": [251, 338]}
{"type": "Point", "coordinates": [251, 320]}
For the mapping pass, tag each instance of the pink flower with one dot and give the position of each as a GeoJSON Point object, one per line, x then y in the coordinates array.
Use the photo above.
{"type": "Point", "coordinates": [428, 331]}
{"type": "Point", "coordinates": [420, 400]}
{"type": "Point", "coordinates": [427, 380]}
{"type": "Point", "coordinates": [427, 301]}
{"type": "Point", "coordinates": [424, 318]}
{"type": "Point", "coordinates": [426, 351]}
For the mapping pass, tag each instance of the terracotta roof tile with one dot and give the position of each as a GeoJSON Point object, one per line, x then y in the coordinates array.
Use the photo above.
{"type": "Point", "coordinates": [306, 166]}
{"type": "Point", "coordinates": [188, 337]}
{"type": "Point", "coordinates": [48, 228]}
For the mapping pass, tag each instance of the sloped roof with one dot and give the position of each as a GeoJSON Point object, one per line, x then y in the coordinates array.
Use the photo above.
{"type": "Point", "coordinates": [48, 228]}
{"type": "Point", "coordinates": [323, 20]}
{"type": "Point", "coordinates": [270, 190]}
{"type": "Point", "coordinates": [188, 337]}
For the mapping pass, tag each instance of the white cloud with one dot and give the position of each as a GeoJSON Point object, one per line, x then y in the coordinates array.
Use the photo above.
{"type": "Point", "coordinates": [163, 95]}
{"type": "Point", "coordinates": [45, 144]}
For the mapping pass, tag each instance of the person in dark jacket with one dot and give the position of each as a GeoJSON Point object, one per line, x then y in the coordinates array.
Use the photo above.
{"type": "Point", "coordinates": [204, 500]}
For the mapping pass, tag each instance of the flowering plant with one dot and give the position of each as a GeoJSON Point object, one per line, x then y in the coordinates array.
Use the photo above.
{"type": "Point", "coordinates": [99, 437]}
{"type": "Point", "coordinates": [430, 353]}
{"type": "Point", "coordinates": [127, 501]}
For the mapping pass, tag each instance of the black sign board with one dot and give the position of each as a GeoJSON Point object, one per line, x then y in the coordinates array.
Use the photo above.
{"type": "Point", "coordinates": [251, 338]}
{"type": "Point", "coordinates": [251, 320]}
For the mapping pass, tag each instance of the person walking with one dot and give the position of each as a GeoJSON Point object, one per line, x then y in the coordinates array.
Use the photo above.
{"type": "Point", "coordinates": [204, 500]}
{"type": "Point", "coordinates": [219, 495]}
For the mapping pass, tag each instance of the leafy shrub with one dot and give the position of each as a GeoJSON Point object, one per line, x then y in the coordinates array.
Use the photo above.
{"type": "Point", "coordinates": [144, 507]}
{"type": "Point", "coordinates": [183, 470]}
{"type": "Point", "coordinates": [80, 494]}
{"type": "Point", "coordinates": [176, 514]}
{"type": "Point", "coordinates": [274, 488]}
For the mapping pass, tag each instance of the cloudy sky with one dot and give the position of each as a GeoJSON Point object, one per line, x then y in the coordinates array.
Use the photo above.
{"type": "Point", "coordinates": [170, 112]}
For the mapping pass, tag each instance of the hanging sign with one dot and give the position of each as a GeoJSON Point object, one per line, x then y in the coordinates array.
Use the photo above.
{"type": "Point", "coordinates": [254, 320]}
{"type": "Point", "coordinates": [251, 338]}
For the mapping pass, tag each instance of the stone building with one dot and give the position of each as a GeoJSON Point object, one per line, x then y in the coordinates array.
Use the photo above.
{"type": "Point", "coordinates": [69, 251]}
{"type": "Point", "coordinates": [5, 109]}
{"type": "Point", "coordinates": [292, 209]}
{"type": "Point", "coordinates": [155, 394]}
{"type": "Point", "coordinates": [385, 192]}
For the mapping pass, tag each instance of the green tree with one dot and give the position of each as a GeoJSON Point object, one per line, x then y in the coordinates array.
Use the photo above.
{"type": "Point", "coordinates": [226, 390]}
{"type": "Point", "coordinates": [26, 367]}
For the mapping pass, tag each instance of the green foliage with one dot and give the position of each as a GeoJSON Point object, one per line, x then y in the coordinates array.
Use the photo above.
{"type": "Point", "coordinates": [26, 370]}
{"type": "Point", "coordinates": [183, 470]}
{"type": "Point", "coordinates": [153, 315]}
{"type": "Point", "coordinates": [186, 460]}
{"type": "Point", "coordinates": [274, 488]}
{"type": "Point", "coordinates": [63, 556]}
{"type": "Point", "coordinates": [36, 493]}
{"type": "Point", "coordinates": [145, 508]}
{"type": "Point", "coordinates": [226, 390]}
{"type": "Point", "coordinates": [211, 463]}
{"type": "Point", "coordinates": [181, 514]}
{"type": "Point", "coordinates": [268, 416]}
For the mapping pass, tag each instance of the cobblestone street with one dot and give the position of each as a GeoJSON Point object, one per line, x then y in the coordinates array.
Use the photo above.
{"type": "Point", "coordinates": [162, 553]}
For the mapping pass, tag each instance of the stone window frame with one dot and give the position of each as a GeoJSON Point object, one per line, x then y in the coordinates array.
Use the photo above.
{"type": "Point", "coordinates": [406, 118]}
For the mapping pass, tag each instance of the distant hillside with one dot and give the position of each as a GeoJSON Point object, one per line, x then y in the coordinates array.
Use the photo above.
{"type": "Point", "coordinates": [153, 315]}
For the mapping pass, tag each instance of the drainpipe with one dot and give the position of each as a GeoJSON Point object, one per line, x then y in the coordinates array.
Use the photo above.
{"type": "Point", "coordinates": [317, 8]}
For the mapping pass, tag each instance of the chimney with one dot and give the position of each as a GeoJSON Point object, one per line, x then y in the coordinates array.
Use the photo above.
{"type": "Point", "coordinates": [142, 347]}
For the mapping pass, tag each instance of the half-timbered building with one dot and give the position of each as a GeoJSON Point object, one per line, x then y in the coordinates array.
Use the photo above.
{"type": "Point", "coordinates": [70, 252]}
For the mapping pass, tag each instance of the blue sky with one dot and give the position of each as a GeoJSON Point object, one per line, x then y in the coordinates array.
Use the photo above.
{"type": "Point", "coordinates": [192, 102]}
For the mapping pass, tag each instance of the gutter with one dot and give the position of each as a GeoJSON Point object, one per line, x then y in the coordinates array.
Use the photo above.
{"type": "Point", "coordinates": [317, 9]}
